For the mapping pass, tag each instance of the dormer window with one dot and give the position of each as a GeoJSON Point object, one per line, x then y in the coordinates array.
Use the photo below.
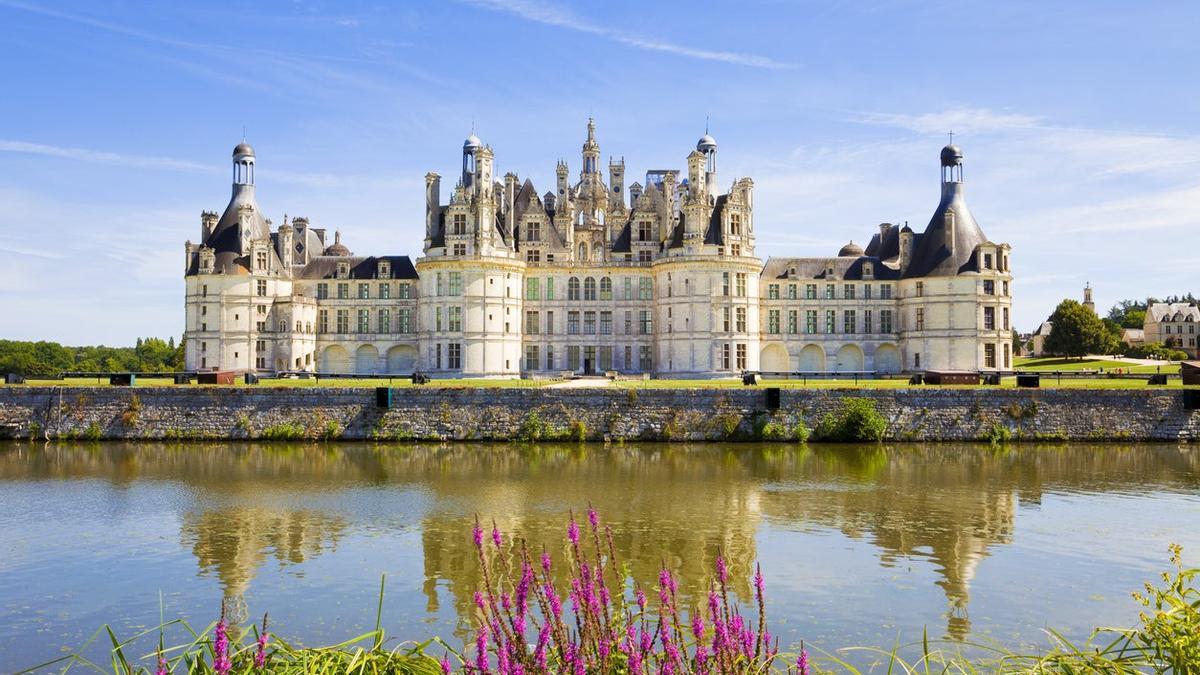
{"type": "Point", "coordinates": [987, 261]}
{"type": "Point", "coordinates": [260, 260]}
{"type": "Point", "coordinates": [533, 231]}
{"type": "Point", "coordinates": [343, 270]}
{"type": "Point", "coordinates": [868, 270]}
{"type": "Point", "coordinates": [385, 269]}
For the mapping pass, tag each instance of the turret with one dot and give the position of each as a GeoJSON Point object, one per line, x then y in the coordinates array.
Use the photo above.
{"type": "Point", "coordinates": [433, 205]}
{"type": "Point", "coordinates": [470, 147]}
{"type": "Point", "coordinates": [696, 184]}
{"type": "Point", "coordinates": [616, 184]}
{"type": "Point", "coordinates": [707, 146]}
{"type": "Point", "coordinates": [285, 242]}
{"type": "Point", "coordinates": [510, 198]}
{"type": "Point", "coordinates": [591, 150]}
{"type": "Point", "coordinates": [906, 247]}
{"type": "Point", "coordinates": [208, 223]}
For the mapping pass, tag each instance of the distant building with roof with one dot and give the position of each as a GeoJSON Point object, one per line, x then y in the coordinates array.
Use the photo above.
{"type": "Point", "coordinates": [514, 283]}
{"type": "Point", "coordinates": [1172, 325]}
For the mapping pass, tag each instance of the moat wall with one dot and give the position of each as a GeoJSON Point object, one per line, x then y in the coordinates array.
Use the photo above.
{"type": "Point", "coordinates": [221, 413]}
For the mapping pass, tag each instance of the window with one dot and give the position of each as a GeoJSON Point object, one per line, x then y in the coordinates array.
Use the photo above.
{"type": "Point", "coordinates": [364, 321]}
{"type": "Point", "coordinates": [454, 319]}
{"type": "Point", "coordinates": [810, 321]}
{"type": "Point", "coordinates": [645, 230]}
{"type": "Point", "coordinates": [322, 291]}
{"type": "Point", "coordinates": [203, 347]}
{"type": "Point", "coordinates": [549, 323]}
{"type": "Point", "coordinates": [385, 269]}
{"type": "Point", "coordinates": [1004, 286]}
{"type": "Point", "coordinates": [740, 323]}
{"type": "Point", "coordinates": [343, 321]}
{"type": "Point", "coordinates": [645, 256]}
{"type": "Point", "coordinates": [987, 265]}
{"type": "Point", "coordinates": [454, 356]}
{"type": "Point", "coordinates": [791, 291]}
{"type": "Point", "coordinates": [726, 322]}
{"type": "Point", "coordinates": [606, 288]}
{"type": "Point", "coordinates": [405, 291]}
{"type": "Point", "coordinates": [549, 357]}
{"type": "Point", "coordinates": [533, 255]}
{"type": "Point", "coordinates": [741, 356]}
{"type": "Point", "coordinates": [573, 288]}
{"type": "Point", "coordinates": [203, 310]}
{"type": "Point", "coordinates": [456, 283]}
{"type": "Point", "coordinates": [589, 289]}
{"type": "Point", "coordinates": [204, 291]}
{"type": "Point", "coordinates": [867, 321]}
{"type": "Point", "coordinates": [1005, 325]}
{"type": "Point", "coordinates": [645, 323]}
{"type": "Point", "coordinates": [645, 358]}
{"type": "Point", "coordinates": [773, 321]}
{"type": "Point", "coordinates": [920, 323]}
{"type": "Point", "coordinates": [885, 291]}
{"type": "Point", "coordinates": [920, 288]}
{"type": "Point", "coordinates": [917, 360]}
{"type": "Point", "coordinates": [385, 321]}
{"type": "Point", "coordinates": [459, 224]}
{"type": "Point", "coordinates": [531, 357]}
{"type": "Point", "coordinates": [735, 250]}
{"type": "Point", "coordinates": [343, 270]}
{"type": "Point", "coordinates": [549, 258]}
{"type": "Point", "coordinates": [849, 322]}
{"type": "Point", "coordinates": [549, 288]}
{"type": "Point", "coordinates": [829, 291]}
{"type": "Point", "coordinates": [573, 357]}
{"type": "Point", "coordinates": [773, 291]}
{"type": "Point", "coordinates": [793, 321]}
{"type": "Point", "coordinates": [404, 321]}
{"type": "Point", "coordinates": [572, 323]}
{"type": "Point", "coordinates": [323, 321]}
{"type": "Point", "coordinates": [437, 318]}
{"type": "Point", "coordinates": [669, 288]}
{"type": "Point", "coordinates": [364, 291]}
{"type": "Point", "coordinates": [885, 321]}
{"type": "Point", "coordinates": [261, 326]}
{"type": "Point", "coordinates": [533, 231]}
{"type": "Point", "coordinates": [343, 291]}
{"type": "Point", "coordinates": [531, 288]}
{"type": "Point", "coordinates": [810, 291]}
{"type": "Point", "coordinates": [606, 323]}
{"type": "Point", "coordinates": [262, 288]}
{"type": "Point", "coordinates": [460, 249]}
{"type": "Point", "coordinates": [741, 284]}
{"type": "Point", "coordinates": [735, 223]}
{"type": "Point", "coordinates": [866, 291]}
{"type": "Point", "coordinates": [848, 291]}
{"type": "Point", "coordinates": [645, 288]}
{"type": "Point", "coordinates": [830, 321]}
{"type": "Point", "coordinates": [989, 319]}
{"type": "Point", "coordinates": [531, 322]}
{"type": "Point", "coordinates": [589, 323]}
{"type": "Point", "coordinates": [385, 291]}
{"type": "Point", "coordinates": [260, 260]}
{"type": "Point", "coordinates": [989, 356]}
{"type": "Point", "coordinates": [725, 356]}
{"type": "Point", "coordinates": [989, 287]}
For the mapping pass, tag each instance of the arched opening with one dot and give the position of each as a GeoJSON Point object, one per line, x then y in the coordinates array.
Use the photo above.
{"type": "Point", "coordinates": [402, 359]}
{"type": "Point", "coordinates": [812, 359]}
{"type": "Point", "coordinates": [366, 360]}
{"type": "Point", "coordinates": [849, 358]}
{"type": "Point", "coordinates": [335, 359]}
{"type": "Point", "coordinates": [887, 360]}
{"type": "Point", "coordinates": [774, 359]}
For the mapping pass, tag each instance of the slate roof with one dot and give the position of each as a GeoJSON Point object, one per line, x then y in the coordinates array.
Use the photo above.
{"type": "Point", "coordinates": [932, 249]}
{"type": "Point", "coordinates": [361, 267]}
{"type": "Point", "coordinates": [815, 268]}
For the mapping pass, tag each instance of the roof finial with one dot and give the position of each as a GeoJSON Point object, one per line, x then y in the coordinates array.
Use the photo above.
{"type": "Point", "coordinates": [951, 137]}
{"type": "Point", "coordinates": [243, 133]}
{"type": "Point", "coordinates": [706, 124]}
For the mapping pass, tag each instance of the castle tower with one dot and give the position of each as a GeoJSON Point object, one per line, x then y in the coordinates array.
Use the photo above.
{"type": "Point", "coordinates": [591, 150]}
{"type": "Point", "coordinates": [707, 146]}
{"type": "Point", "coordinates": [470, 147]}
{"type": "Point", "coordinates": [1087, 298]}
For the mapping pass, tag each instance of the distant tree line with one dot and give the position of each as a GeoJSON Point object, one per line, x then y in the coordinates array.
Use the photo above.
{"type": "Point", "coordinates": [49, 359]}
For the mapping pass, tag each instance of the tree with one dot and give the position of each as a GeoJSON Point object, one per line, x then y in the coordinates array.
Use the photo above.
{"type": "Point", "coordinates": [1016, 343]}
{"type": "Point", "coordinates": [1077, 331]}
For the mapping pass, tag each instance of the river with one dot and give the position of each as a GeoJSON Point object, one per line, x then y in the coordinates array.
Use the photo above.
{"type": "Point", "coordinates": [859, 545]}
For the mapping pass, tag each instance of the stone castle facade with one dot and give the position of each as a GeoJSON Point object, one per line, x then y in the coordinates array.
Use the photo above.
{"type": "Point", "coordinates": [594, 276]}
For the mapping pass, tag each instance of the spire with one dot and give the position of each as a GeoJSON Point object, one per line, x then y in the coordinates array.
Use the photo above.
{"type": "Point", "coordinates": [591, 149]}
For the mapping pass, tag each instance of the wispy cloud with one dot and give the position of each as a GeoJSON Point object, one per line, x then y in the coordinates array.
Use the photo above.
{"type": "Point", "coordinates": [101, 157]}
{"type": "Point", "coordinates": [555, 15]}
{"type": "Point", "coordinates": [966, 120]}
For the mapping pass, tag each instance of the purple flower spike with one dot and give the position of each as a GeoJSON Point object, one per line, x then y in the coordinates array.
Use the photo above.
{"type": "Point", "coordinates": [221, 662]}
{"type": "Point", "coordinates": [162, 666]}
{"type": "Point", "coordinates": [477, 534]}
{"type": "Point", "coordinates": [481, 654]}
{"type": "Point", "coordinates": [641, 599]}
{"type": "Point", "coordinates": [722, 570]}
{"type": "Point", "coordinates": [593, 518]}
{"type": "Point", "coordinates": [698, 626]}
{"type": "Point", "coordinates": [573, 532]}
{"type": "Point", "coordinates": [802, 661]}
{"type": "Point", "coordinates": [545, 562]}
{"type": "Point", "coordinates": [479, 600]}
{"type": "Point", "coordinates": [759, 584]}
{"type": "Point", "coordinates": [445, 663]}
{"type": "Point", "coordinates": [496, 535]}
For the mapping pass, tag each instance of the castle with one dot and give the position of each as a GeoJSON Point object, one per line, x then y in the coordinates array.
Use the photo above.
{"type": "Point", "coordinates": [514, 283]}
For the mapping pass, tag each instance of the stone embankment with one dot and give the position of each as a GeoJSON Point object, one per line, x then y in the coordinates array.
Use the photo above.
{"type": "Point", "coordinates": [919, 414]}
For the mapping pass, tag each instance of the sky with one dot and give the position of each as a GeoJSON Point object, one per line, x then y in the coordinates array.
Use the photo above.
{"type": "Point", "coordinates": [1079, 121]}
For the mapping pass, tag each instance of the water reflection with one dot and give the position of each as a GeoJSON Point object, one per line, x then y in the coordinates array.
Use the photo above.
{"type": "Point", "coordinates": [240, 506]}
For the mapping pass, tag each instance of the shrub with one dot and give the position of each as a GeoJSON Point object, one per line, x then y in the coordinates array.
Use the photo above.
{"type": "Point", "coordinates": [801, 433]}
{"type": "Point", "coordinates": [93, 432]}
{"type": "Point", "coordinates": [856, 421]}
{"type": "Point", "coordinates": [35, 430]}
{"type": "Point", "coordinates": [532, 427]}
{"type": "Point", "coordinates": [284, 431]}
{"type": "Point", "coordinates": [998, 434]}
{"type": "Point", "coordinates": [331, 430]}
{"type": "Point", "coordinates": [577, 431]}
{"type": "Point", "coordinates": [130, 416]}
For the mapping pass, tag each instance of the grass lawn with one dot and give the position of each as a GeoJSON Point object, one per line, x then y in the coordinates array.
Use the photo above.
{"type": "Point", "coordinates": [396, 383]}
{"type": "Point", "coordinates": [1068, 365]}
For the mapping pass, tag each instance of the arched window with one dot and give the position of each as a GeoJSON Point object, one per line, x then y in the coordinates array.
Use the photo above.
{"type": "Point", "coordinates": [583, 251]}
{"type": "Point", "coordinates": [589, 289]}
{"type": "Point", "coordinates": [605, 288]}
{"type": "Point", "coordinates": [573, 288]}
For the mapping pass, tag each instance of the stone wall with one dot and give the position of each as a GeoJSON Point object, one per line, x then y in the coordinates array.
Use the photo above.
{"type": "Point", "coordinates": [418, 413]}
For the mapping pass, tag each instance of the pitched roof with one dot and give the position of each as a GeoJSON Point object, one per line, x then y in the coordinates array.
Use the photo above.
{"type": "Point", "coordinates": [816, 268]}
{"type": "Point", "coordinates": [361, 267]}
{"type": "Point", "coordinates": [935, 253]}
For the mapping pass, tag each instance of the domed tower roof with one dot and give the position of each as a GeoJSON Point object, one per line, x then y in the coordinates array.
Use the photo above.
{"type": "Point", "coordinates": [337, 248]}
{"type": "Point", "coordinates": [706, 143]}
{"type": "Point", "coordinates": [243, 148]}
{"type": "Point", "coordinates": [851, 250]}
{"type": "Point", "coordinates": [472, 142]}
{"type": "Point", "coordinates": [952, 155]}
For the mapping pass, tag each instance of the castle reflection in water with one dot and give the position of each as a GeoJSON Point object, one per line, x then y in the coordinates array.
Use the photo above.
{"type": "Point", "coordinates": [675, 503]}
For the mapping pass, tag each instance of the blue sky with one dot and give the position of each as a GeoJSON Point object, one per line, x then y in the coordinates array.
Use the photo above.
{"type": "Point", "coordinates": [1078, 121]}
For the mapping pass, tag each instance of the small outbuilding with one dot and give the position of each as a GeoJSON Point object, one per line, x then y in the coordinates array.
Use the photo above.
{"type": "Point", "coordinates": [951, 377]}
{"type": "Point", "coordinates": [1190, 371]}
